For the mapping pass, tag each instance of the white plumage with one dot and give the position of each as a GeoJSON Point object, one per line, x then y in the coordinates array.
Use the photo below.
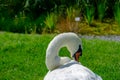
{"type": "Point", "coordinates": [63, 68]}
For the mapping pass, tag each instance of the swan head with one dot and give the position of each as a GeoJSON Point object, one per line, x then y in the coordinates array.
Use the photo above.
{"type": "Point", "coordinates": [77, 54]}
{"type": "Point", "coordinates": [75, 47]}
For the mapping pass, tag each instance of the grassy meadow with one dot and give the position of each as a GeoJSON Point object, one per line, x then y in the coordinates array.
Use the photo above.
{"type": "Point", "coordinates": [22, 56]}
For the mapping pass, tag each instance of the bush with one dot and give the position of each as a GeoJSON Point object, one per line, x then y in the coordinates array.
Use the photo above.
{"type": "Point", "coordinates": [101, 9]}
{"type": "Point", "coordinates": [22, 24]}
{"type": "Point", "coordinates": [50, 22]}
{"type": "Point", "coordinates": [89, 14]}
{"type": "Point", "coordinates": [31, 15]}
{"type": "Point", "coordinates": [117, 12]}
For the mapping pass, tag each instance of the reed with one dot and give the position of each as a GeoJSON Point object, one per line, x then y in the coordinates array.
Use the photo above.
{"type": "Point", "coordinates": [117, 12]}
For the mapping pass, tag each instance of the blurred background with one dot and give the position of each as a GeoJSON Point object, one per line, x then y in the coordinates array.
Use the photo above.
{"type": "Point", "coordinates": [99, 17]}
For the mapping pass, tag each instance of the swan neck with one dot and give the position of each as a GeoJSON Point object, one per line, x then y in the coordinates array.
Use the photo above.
{"type": "Point", "coordinates": [53, 60]}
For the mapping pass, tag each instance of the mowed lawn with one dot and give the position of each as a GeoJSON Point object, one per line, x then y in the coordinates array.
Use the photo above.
{"type": "Point", "coordinates": [22, 56]}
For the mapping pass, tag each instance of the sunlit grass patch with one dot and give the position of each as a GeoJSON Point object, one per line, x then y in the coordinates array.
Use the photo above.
{"type": "Point", "coordinates": [22, 56]}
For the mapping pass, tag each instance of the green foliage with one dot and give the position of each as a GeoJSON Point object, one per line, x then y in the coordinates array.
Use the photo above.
{"type": "Point", "coordinates": [70, 13]}
{"type": "Point", "coordinates": [101, 9]}
{"type": "Point", "coordinates": [30, 15]}
{"type": "Point", "coordinates": [22, 56]}
{"type": "Point", "coordinates": [10, 8]}
{"type": "Point", "coordinates": [73, 12]}
{"type": "Point", "coordinates": [117, 12]}
{"type": "Point", "coordinates": [50, 22]}
{"type": "Point", "coordinates": [19, 23]}
{"type": "Point", "coordinates": [5, 24]}
{"type": "Point", "coordinates": [89, 14]}
{"type": "Point", "coordinates": [22, 24]}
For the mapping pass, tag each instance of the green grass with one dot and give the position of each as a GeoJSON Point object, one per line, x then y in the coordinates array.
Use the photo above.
{"type": "Point", "coordinates": [22, 56]}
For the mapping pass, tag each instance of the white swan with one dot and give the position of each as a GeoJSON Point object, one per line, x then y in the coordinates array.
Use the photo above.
{"type": "Point", "coordinates": [63, 68]}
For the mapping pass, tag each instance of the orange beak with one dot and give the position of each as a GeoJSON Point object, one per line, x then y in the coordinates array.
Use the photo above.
{"type": "Point", "coordinates": [77, 55]}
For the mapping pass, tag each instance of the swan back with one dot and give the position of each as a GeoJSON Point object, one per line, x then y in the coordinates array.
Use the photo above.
{"type": "Point", "coordinates": [72, 71]}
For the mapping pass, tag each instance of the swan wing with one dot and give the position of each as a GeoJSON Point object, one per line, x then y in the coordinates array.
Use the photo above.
{"type": "Point", "coordinates": [72, 71]}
